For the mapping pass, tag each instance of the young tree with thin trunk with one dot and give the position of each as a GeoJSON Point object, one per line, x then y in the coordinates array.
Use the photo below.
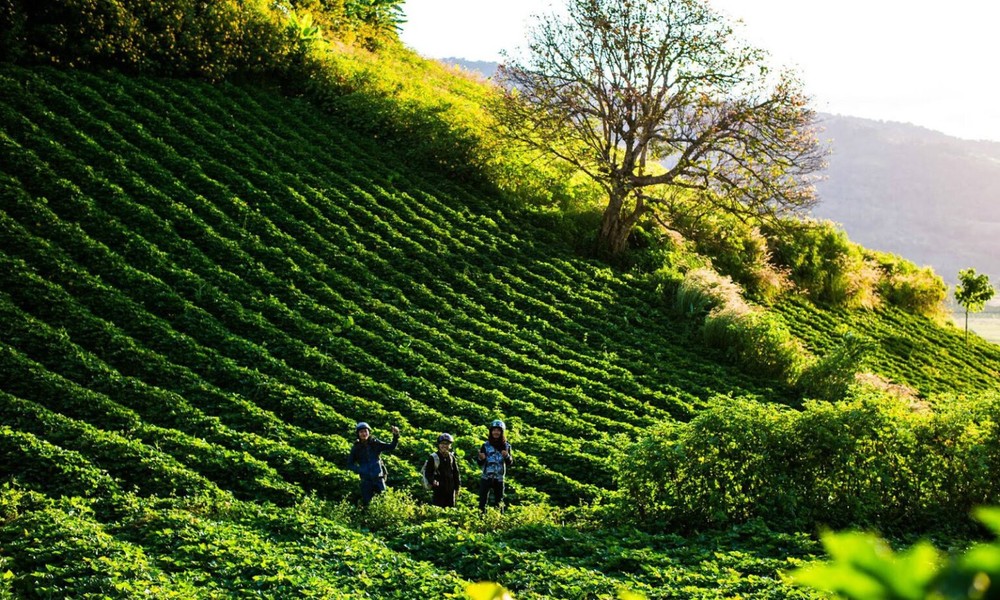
{"type": "Point", "coordinates": [972, 292]}
{"type": "Point", "coordinates": [616, 86]}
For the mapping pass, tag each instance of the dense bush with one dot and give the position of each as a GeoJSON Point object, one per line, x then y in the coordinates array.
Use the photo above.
{"type": "Point", "coordinates": [212, 40]}
{"type": "Point", "coordinates": [824, 263]}
{"type": "Point", "coordinates": [756, 341]}
{"type": "Point", "coordinates": [736, 248]}
{"type": "Point", "coordinates": [870, 461]}
{"type": "Point", "coordinates": [829, 377]}
{"type": "Point", "coordinates": [653, 248]}
{"type": "Point", "coordinates": [915, 289]}
{"type": "Point", "coordinates": [834, 271]}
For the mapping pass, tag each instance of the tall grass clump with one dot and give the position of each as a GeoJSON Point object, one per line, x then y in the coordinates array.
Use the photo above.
{"type": "Point", "coordinates": [751, 337]}
{"type": "Point", "coordinates": [736, 247]}
{"type": "Point", "coordinates": [703, 290]}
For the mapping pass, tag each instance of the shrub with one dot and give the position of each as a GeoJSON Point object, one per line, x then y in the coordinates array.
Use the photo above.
{"type": "Point", "coordinates": [868, 461]}
{"type": "Point", "coordinates": [752, 338]}
{"type": "Point", "coordinates": [256, 39]}
{"type": "Point", "coordinates": [212, 40]}
{"type": "Point", "coordinates": [829, 377]}
{"type": "Point", "coordinates": [914, 289]}
{"type": "Point", "coordinates": [823, 262]}
{"type": "Point", "coordinates": [756, 341]}
{"type": "Point", "coordinates": [735, 247]}
{"type": "Point", "coordinates": [389, 510]}
{"type": "Point", "coordinates": [652, 248]}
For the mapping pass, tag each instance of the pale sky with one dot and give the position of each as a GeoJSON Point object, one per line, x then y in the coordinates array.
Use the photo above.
{"type": "Point", "coordinates": [933, 64]}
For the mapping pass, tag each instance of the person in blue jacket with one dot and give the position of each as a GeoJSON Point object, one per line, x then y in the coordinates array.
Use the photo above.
{"type": "Point", "coordinates": [494, 457]}
{"type": "Point", "coordinates": [366, 460]}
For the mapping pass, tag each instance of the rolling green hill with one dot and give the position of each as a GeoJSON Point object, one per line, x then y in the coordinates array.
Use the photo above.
{"type": "Point", "coordinates": [203, 287]}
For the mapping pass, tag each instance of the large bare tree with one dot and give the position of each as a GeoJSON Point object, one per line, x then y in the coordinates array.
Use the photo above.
{"type": "Point", "coordinates": [614, 86]}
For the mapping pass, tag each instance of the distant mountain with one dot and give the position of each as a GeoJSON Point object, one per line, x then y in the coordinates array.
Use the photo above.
{"type": "Point", "coordinates": [928, 197]}
{"type": "Point", "coordinates": [904, 189]}
{"type": "Point", "coordinates": [487, 68]}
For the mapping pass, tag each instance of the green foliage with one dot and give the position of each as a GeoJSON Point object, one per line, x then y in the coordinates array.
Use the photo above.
{"type": "Point", "coordinates": [736, 247]}
{"type": "Point", "coordinates": [829, 377]}
{"type": "Point", "coordinates": [907, 348]}
{"type": "Point", "coordinates": [654, 248]}
{"type": "Point", "coordinates": [824, 263]}
{"type": "Point", "coordinates": [173, 324]}
{"type": "Point", "coordinates": [751, 338]}
{"type": "Point", "coordinates": [835, 272]}
{"type": "Point", "coordinates": [202, 287]}
{"type": "Point", "coordinates": [863, 567]}
{"type": "Point", "coordinates": [303, 28]}
{"type": "Point", "coordinates": [756, 341]}
{"type": "Point", "coordinates": [259, 40]}
{"type": "Point", "coordinates": [903, 284]}
{"type": "Point", "coordinates": [213, 40]}
{"type": "Point", "coordinates": [973, 291]}
{"type": "Point", "coordinates": [376, 20]}
{"type": "Point", "coordinates": [869, 460]}
{"type": "Point", "coordinates": [389, 511]}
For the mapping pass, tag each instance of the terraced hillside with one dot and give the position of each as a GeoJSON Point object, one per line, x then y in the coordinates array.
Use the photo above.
{"type": "Point", "coordinates": [204, 287]}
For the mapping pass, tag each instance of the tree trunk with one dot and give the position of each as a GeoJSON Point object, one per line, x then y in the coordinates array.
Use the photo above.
{"type": "Point", "coordinates": [612, 237]}
{"type": "Point", "coordinates": [616, 226]}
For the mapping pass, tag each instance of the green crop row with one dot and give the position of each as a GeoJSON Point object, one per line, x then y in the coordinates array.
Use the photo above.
{"type": "Point", "coordinates": [203, 287]}
{"type": "Point", "coordinates": [199, 547]}
{"type": "Point", "coordinates": [905, 347]}
{"type": "Point", "coordinates": [474, 344]}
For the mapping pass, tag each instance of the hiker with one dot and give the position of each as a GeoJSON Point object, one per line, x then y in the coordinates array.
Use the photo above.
{"type": "Point", "coordinates": [441, 474]}
{"type": "Point", "coordinates": [366, 460]}
{"type": "Point", "coordinates": [494, 457]}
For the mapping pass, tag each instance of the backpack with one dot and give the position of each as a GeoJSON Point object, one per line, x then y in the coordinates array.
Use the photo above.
{"type": "Point", "coordinates": [423, 472]}
{"type": "Point", "coordinates": [437, 466]}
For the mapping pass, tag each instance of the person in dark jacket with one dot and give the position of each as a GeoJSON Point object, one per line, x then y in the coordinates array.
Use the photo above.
{"type": "Point", "coordinates": [441, 473]}
{"type": "Point", "coordinates": [366, 460]}
{"type": "Point", "coordinates": [494, 457]}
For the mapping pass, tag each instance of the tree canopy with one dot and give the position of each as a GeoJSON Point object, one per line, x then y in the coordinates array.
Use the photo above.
{"type": "Point", "coordinates": [640, 95]}
{"type": "Point", "coordinates": [973, 292]}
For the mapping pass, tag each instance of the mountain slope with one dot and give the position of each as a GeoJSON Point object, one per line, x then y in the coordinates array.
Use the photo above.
{"type": "Point", "coordinates": [202, 288]}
